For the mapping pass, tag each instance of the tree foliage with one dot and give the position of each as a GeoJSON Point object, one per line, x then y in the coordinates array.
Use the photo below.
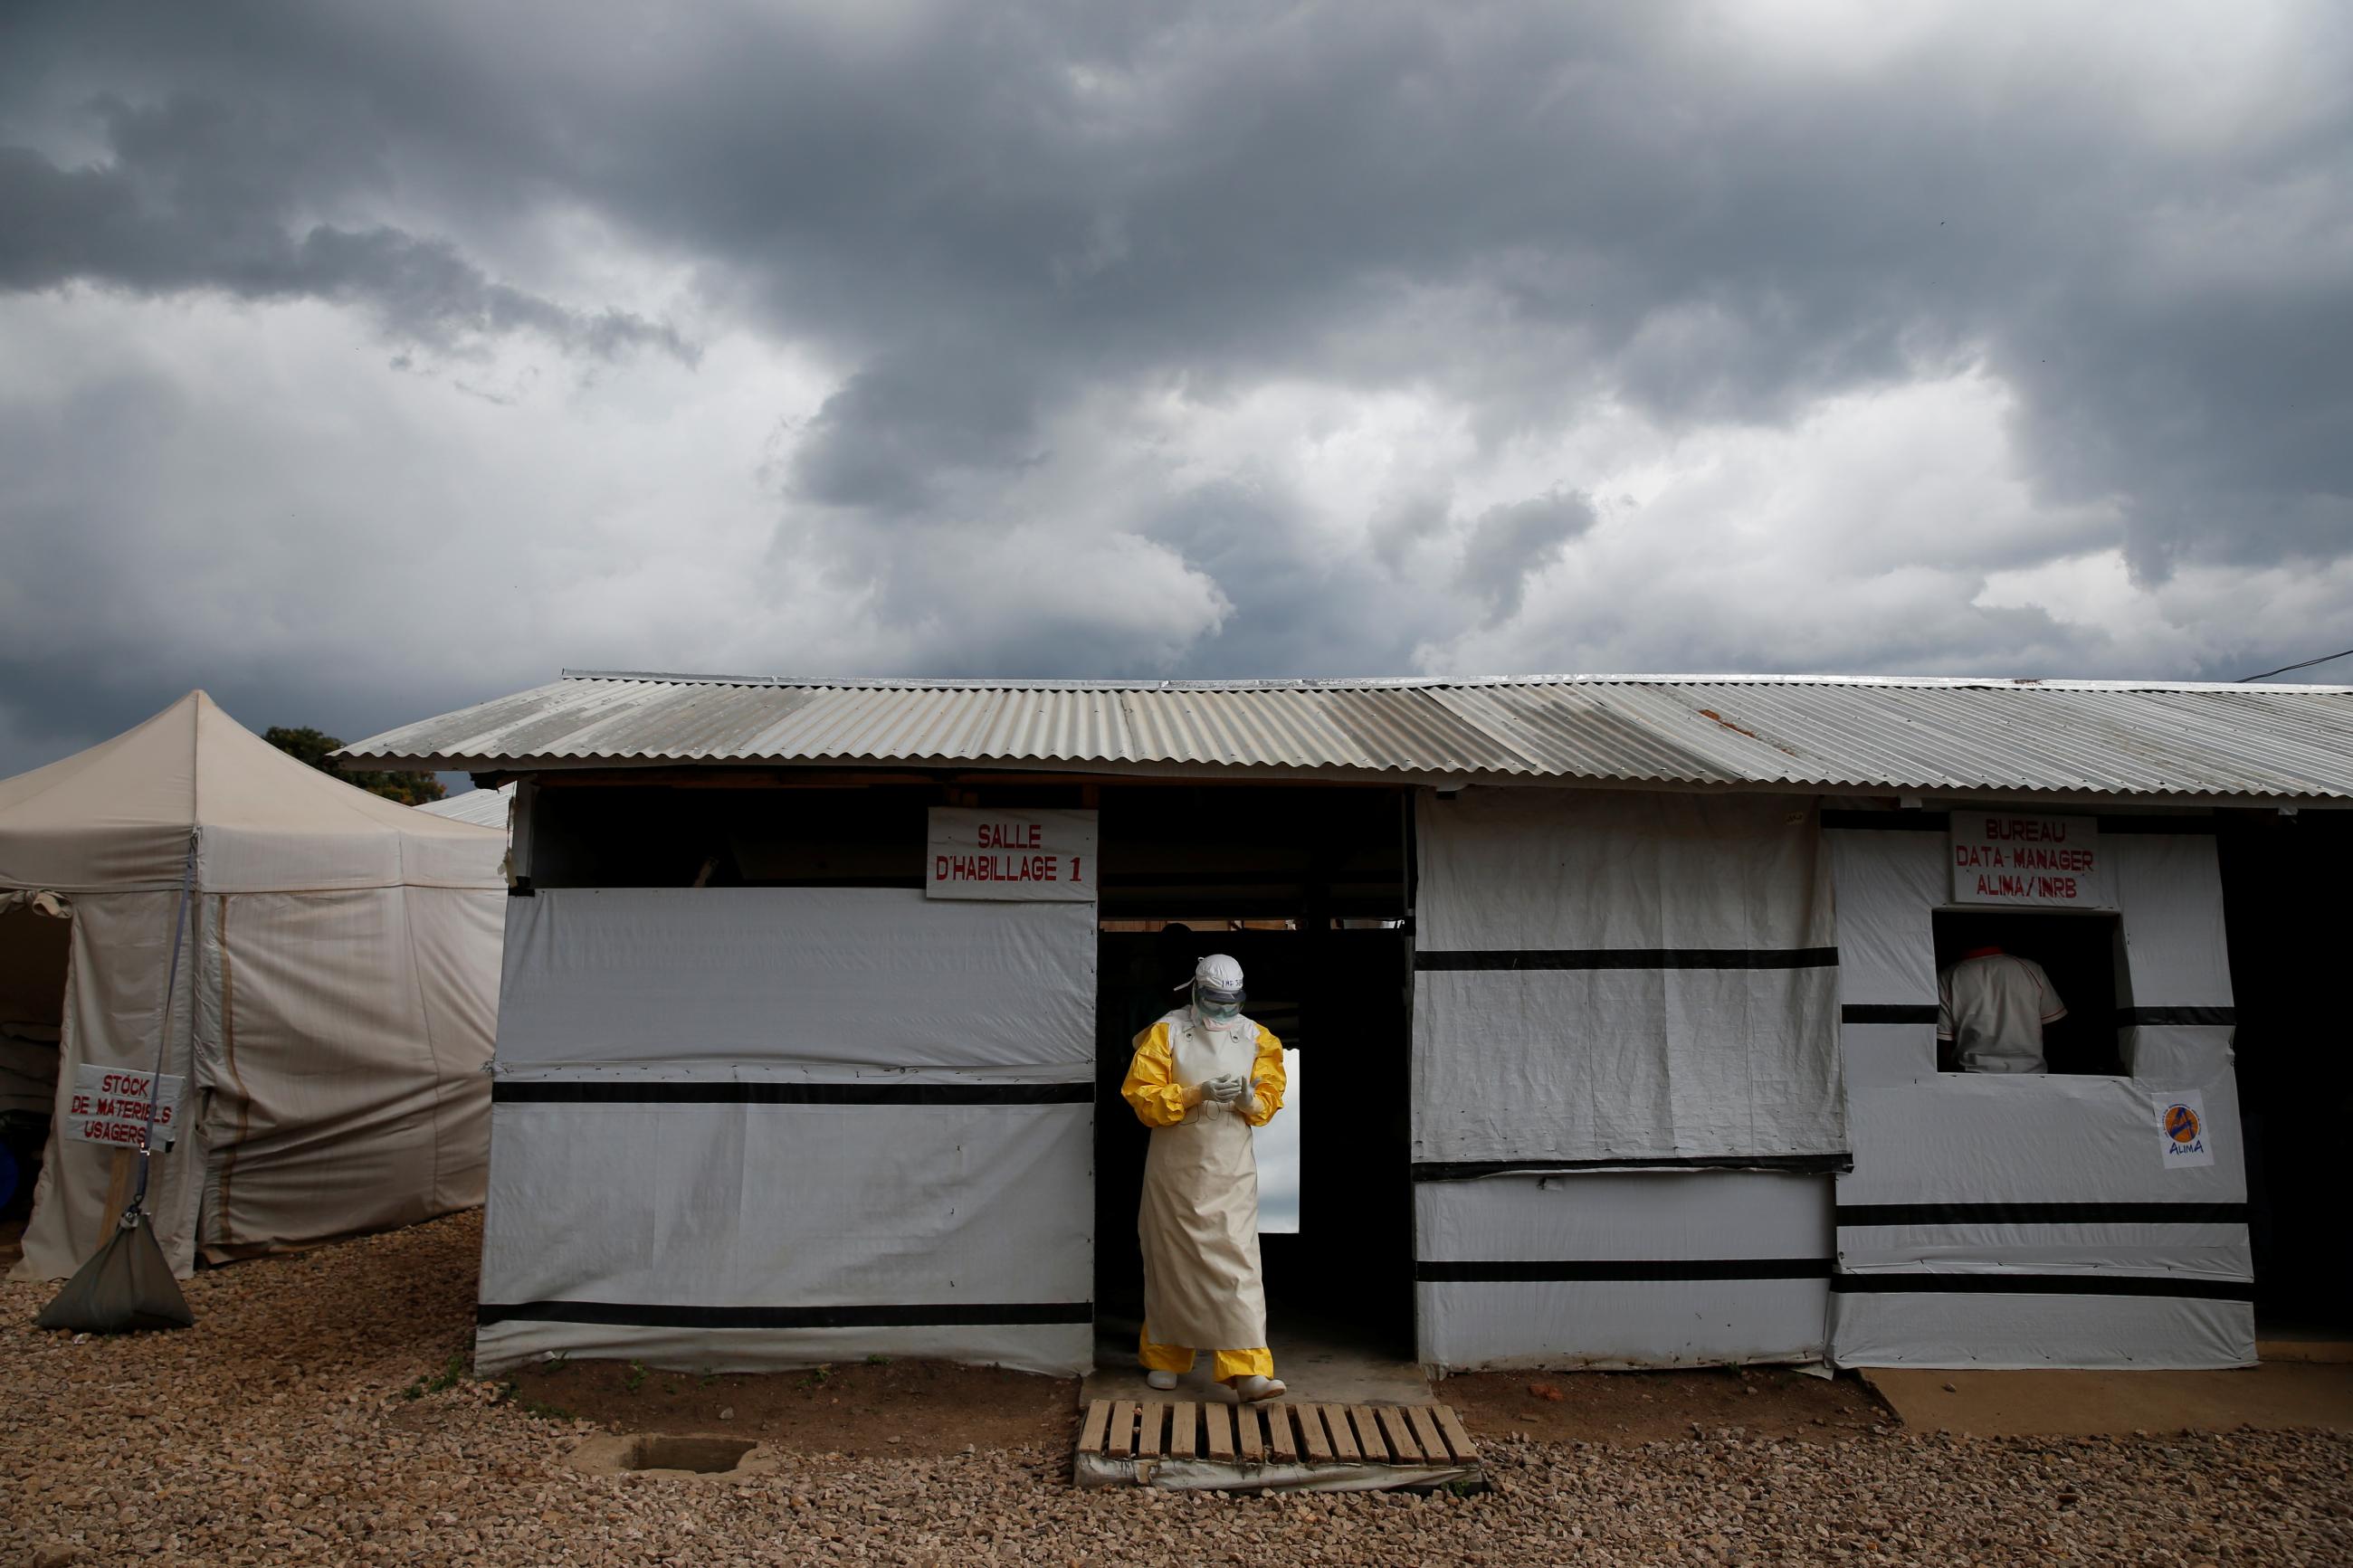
{"type": "Point", "coordinates": [312, 745]}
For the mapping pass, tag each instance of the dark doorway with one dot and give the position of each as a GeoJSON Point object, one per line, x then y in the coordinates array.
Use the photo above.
{"type": "Point", "coordinates": [33, 956]}
{"type": "Point", "coordinates": [2282, 892]}
{"type": "Point", "coordinates": [1319, 877]}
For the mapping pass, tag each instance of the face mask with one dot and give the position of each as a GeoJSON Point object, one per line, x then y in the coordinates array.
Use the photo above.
{"type": "Point", "coordinates": [1217, 1007]}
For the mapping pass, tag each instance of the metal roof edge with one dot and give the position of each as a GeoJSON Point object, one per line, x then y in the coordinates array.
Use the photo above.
{"type": "Point", "coordinates": [1408, 778]}
{"type": "Point", "coordinates": [1407, 682]}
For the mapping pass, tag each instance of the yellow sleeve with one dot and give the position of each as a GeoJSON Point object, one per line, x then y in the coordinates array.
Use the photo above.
{"type": "Point", "coordinates": [1151, 1086]}
{"type": "Point", "coordinates": [1268, 1070]}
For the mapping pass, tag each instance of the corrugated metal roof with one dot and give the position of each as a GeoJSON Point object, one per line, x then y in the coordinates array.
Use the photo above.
{"type": "Point", "coordinates": [2115, 738]}
{"type": "Point", "coordinates": [482, 807]}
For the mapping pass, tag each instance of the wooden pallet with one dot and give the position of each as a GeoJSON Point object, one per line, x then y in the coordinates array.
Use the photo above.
{"type": "Point", "coordinates": [1197, 1445]}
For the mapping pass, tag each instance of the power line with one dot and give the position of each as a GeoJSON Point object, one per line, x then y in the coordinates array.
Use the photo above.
{"type": "Point", "coordinates": [2301, 664]}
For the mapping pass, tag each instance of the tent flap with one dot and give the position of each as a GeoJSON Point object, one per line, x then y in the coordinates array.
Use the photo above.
{"type": "Point", "coordinates": [1610, 976]}
{"type": "Point", "coordinates": [749, 1128]}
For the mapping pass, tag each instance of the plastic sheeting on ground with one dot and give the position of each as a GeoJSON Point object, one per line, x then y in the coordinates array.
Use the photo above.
{"type": "Point", "coordinates": [2036, 1221]}
{"type": "Point", "coordinates": [1606, 978]}
{"type": "Point", "coordinates": [343, 962]}
{"type": "Point", "coordinates": [748, 1128]}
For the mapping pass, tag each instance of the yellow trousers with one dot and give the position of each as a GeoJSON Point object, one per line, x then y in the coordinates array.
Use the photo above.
{"type": "Point", "coordinates": [1224, 1365]}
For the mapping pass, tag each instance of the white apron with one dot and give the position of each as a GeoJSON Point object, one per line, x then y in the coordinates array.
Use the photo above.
{"type": "Point", "coordinates": [1198, 1221]}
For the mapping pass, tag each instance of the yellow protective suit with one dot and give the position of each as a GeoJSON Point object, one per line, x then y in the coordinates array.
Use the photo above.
{"type": "Point", "coordinates": [1199, 1220]}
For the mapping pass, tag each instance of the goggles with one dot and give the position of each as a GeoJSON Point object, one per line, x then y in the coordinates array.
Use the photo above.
{"type": "Point", "coordinates": [1217, 1002]}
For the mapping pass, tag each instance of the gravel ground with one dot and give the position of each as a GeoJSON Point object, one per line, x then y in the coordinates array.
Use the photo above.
{"type": "Point", "coordinates": [279, 1431]}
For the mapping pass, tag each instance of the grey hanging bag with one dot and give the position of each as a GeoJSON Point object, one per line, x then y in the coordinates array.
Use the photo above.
{"type": "Point", "coordinates": [125, 1286]}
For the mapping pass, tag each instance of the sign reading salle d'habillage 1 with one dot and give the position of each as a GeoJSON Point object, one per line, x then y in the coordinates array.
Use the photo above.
{"type": "Point", "coordinates": [2027, 861]}
{"type": "Point", "coordinates": [1015, 855]}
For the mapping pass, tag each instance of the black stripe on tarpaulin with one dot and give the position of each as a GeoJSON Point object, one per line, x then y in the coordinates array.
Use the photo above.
{"type": "Point", "coordinates": [2175, 1286]}
{"type": "Point", "coordinates": [1475, 1169]}
{"type": "Point", "coordinates": [1631, 958]}
{"type": "Point", "coordinates": [869, 1315]}
{"type": "Point", "coordinates": [1602, 1270]}
{"type": "Point", "coordinates": [1888, 1012]}
{"type": "Point", "coordinates": [2042, 1214]}
{"type": "Point", "coordinates": [2129, 1017]}
{"type": "Point", "coordinates": [575, 1091]}
{"type": "Point", "coordinates": [1890, 821]}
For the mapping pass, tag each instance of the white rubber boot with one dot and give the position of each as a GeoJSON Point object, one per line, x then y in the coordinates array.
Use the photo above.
{"type": "Point", "coordinates": [1251, 1389]}
{"type": "Point", "coordinates": [1164, 1380]}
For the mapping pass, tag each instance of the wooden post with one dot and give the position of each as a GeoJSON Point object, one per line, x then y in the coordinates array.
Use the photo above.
{"type": "Point", "coordinates": [118, 1190]}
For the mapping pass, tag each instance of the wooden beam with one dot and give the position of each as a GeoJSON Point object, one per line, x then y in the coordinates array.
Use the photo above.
{"type": "Point", "coordinates": [1218, 1418]}
{"type": "Point", "coordinates": [1425, 1432]}
{"type": "Point", "coordinates": [1280, 1442]}
{"type": "Point", "coordinates": [1250, 1438]}
{"type": "Point", "coordinates": [1147, 1441]}
{"type": "Point", "coordinates": [1344, 1441]}
{"type": "Point", "coordinates": [1310, 1432]}
{"type": "Point", "coordinates": [1123, 1428]}
{"type": "Point", "coordinates": [1368, 1434]}
{"type": "Point", "coordinates": [1399, 1432]}
{"type": "Point", "coordinates": [1456, 1438]}
{"type": "Point", "coordinates": [1092, 1430]}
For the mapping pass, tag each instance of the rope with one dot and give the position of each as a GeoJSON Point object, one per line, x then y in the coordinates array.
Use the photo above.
{"type": "Point", "coordinates": [163, 1034]}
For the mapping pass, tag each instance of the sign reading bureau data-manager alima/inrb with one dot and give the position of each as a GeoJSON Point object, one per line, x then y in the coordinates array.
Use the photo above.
{"type": "Point", "coordinates": [1015, 855]}
{"type": "Point", "coordinates": [2042, 862]}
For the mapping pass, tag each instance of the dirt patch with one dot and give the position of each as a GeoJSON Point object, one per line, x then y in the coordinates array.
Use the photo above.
{"type": "Point", "coordinates": [2283, 1397]}
{"type": "Point", "coordinates": [892, 1408]}
{"type": "Point", "coordinates": [1626, 1408]}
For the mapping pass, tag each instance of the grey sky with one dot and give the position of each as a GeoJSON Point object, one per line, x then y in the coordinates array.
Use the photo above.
{"type": "Point", "coordinates": [359, 361]}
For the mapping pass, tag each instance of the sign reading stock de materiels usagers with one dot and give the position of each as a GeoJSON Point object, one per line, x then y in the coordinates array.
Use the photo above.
{"type": "Point", "coordinates": [1013, 854]}
{"type": "Point", "coordinates": [2045, 862]}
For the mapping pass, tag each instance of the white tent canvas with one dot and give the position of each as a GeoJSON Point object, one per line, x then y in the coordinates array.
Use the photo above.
{"type": "Point", "coordinates": [336, 998]}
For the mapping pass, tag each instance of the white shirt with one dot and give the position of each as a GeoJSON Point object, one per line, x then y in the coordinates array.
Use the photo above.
{"type": "Point", "coordinates": [1992, 1009]}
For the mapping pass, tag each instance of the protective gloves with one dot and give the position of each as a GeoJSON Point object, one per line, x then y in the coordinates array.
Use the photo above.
{"type": "Point", "coordinates": [1224, 1088]}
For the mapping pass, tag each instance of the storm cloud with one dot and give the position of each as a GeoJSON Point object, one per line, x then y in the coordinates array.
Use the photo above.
{"type": "Point", "coordinates": [362, 363]}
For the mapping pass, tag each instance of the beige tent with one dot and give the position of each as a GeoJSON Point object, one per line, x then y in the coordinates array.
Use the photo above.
{"type": "Point", "coordinates": [337, 993]}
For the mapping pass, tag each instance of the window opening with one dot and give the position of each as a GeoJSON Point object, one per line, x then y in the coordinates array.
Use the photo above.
{"type": "Point", "coordinates": [2080, 954]}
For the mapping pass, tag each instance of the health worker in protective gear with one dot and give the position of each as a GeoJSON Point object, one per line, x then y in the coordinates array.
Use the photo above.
{"type": "Point", "coordinates": [1202, 1077]}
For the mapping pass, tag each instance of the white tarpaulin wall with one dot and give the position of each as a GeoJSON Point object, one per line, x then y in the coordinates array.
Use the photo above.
{"type": "Point", "coordinates": [1622, 1268]}
{"type": "Point", "coordinates": [1610, 979]}
{"type": "Point", "coordinates": [745, 1128]}
{"type": "Point", "coordinates": [2023, 1221]}
{"type": "Point", "coordinates": [335, 1002]}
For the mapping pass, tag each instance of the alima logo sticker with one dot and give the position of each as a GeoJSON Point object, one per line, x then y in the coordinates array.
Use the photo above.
{"type": "Point", "coordinates": [2182, 1134]}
